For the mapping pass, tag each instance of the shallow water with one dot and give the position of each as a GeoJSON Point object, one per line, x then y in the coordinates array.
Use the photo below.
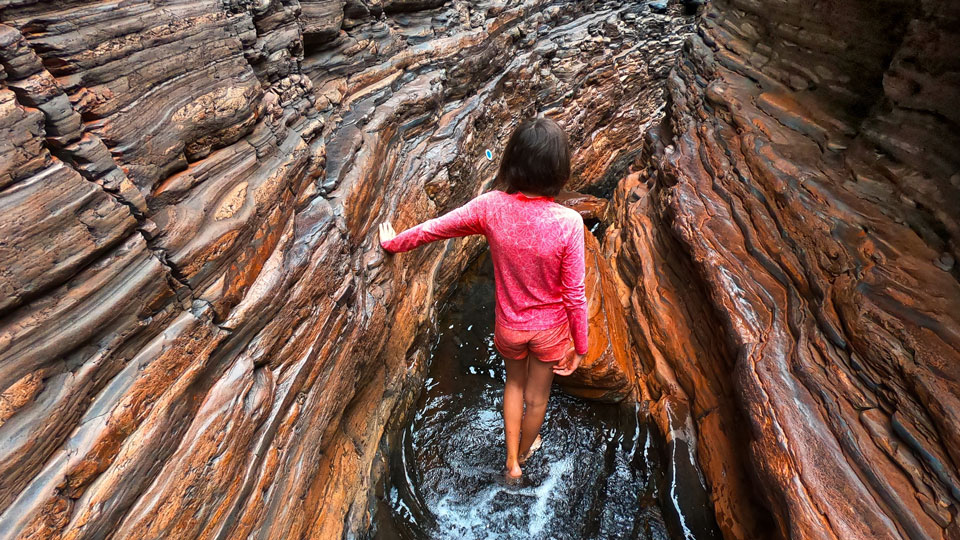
{"type": "Point", "coordinates": [593, 477]}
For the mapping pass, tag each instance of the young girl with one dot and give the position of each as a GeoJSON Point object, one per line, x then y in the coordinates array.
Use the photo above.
{"type": "Point", "coordinates": [538, 262]}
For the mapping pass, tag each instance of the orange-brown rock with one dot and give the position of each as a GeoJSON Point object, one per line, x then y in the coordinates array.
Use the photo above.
{"type": "Point", "coordinates": [589, 206]}
{"type": "Point", "coordinates": [199, 335]}
{"type": "Point", "coordinates": [607, 371]}
{"type": "Point", "coordinates": [683, 373]}
{"type": "Point", "coordinates": [788, 243]}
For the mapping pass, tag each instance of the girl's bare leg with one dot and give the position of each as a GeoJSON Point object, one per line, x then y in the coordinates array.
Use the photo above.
{"type": "Point", "coordinates": [513, 411]}
{"type": "Point", "coordinates": [536, 392]}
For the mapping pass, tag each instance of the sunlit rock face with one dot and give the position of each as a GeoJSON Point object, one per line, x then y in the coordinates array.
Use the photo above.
{"type": "Point", "coordinates": [788, 248]}
{"type": "Point", "coordinates": [199, 335]}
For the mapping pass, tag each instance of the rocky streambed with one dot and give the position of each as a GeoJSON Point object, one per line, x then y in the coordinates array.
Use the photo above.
{"type": "Point", "coordinates": [200, 338]}
{"type": "Point", "coordinates": [598, 475]}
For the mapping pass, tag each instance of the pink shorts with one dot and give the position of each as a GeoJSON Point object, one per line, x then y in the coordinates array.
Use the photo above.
{"type": "Point", "coordinates": [548, 345]}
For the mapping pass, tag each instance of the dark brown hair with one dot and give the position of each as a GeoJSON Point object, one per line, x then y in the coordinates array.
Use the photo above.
{"type": "Point", "coordinates": [536, 159]}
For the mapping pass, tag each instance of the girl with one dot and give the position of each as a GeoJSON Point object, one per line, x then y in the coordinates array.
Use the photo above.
{"type": "Point", "coordinates": [537, 251]}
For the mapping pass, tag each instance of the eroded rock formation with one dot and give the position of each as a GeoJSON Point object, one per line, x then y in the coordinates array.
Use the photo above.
{"type": "Point", "coordinates": [608, 370]}
{"type": "Point", "coordinates": [787, 247]}
{"type": "Point", "coordinates": [199, 336]}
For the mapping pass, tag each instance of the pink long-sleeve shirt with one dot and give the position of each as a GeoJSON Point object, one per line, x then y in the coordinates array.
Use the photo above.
{"type": "Point", "coordinates": [538, 260]}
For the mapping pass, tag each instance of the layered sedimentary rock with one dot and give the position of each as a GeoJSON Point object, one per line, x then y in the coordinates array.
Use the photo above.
{"type": "Point", "coordinates": [199, 336]}
{"type": "Point", "coordinates": [788, 248]}
{"type": "Point", "coordinates": [608, 370]}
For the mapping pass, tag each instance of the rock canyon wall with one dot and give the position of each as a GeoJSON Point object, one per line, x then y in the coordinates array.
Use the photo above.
{"type": "Point", "coordinates": [199, 335]}
{"type": "Point", "coordinates": [787, 246]}
{"type": "Point", "coordinates": [200, 338]}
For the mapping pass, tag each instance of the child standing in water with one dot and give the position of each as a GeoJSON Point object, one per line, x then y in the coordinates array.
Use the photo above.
{"type": "Point", "coordinates": [538, 261]}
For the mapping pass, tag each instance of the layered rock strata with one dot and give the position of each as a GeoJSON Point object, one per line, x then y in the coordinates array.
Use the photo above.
{"type": "Point", "coordinates": [788, 249]}
{"type": "Point", "coordinates": [199, 336]}
{"type": "Point", "coordinates": [608, 369]}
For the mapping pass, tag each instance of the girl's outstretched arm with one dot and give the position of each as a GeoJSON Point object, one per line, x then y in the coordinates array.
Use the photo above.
{"type": "Point", "coordinates": [463, 221]}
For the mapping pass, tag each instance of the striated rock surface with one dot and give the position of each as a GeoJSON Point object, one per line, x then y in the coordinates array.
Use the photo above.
{"type": "Point", "coordinates": [199, 337]}
{"type": "Point", "coordinates": [787, 246]}
{"type": "Point", "coordinates": [608, 370]}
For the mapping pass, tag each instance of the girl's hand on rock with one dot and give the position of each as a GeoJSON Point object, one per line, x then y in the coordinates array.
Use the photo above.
{"type": "Point", "coordinates": [386, 232]}
{"type": "Point", "coordinates": [569, 364]}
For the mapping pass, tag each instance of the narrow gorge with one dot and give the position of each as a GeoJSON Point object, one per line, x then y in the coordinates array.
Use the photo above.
{"type": "Point", "coordinates": [200, 336]}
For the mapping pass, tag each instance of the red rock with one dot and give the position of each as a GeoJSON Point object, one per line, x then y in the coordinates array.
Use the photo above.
{"type": "Point", "coordinates": [588, 206]}
{"type": "Point", "coordinates": [607, 371]}
{"type": "Point", "coordinates": [199, 336]}
{"type": "Point", "coordinates": [783, 190]}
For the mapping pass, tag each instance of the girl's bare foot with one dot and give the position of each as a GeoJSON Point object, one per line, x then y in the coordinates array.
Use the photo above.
{"type": "Point", "coordinates": [514, 472]}
{"type": "Point", "coordinates": [533, 448]}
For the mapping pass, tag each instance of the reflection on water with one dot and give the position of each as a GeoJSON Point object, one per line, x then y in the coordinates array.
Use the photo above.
{"type": "Point", "coordinates": [591, 479]}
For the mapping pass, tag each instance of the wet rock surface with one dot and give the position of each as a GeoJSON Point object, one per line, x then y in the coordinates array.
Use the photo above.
{"type": "Point", "coordinates": [785, 247]}
{"type": "Point", "coordinates": [199, 336]}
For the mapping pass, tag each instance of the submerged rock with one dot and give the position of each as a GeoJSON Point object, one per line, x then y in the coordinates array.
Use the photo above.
{"type": "Point", "coordinates": [658, 6]}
